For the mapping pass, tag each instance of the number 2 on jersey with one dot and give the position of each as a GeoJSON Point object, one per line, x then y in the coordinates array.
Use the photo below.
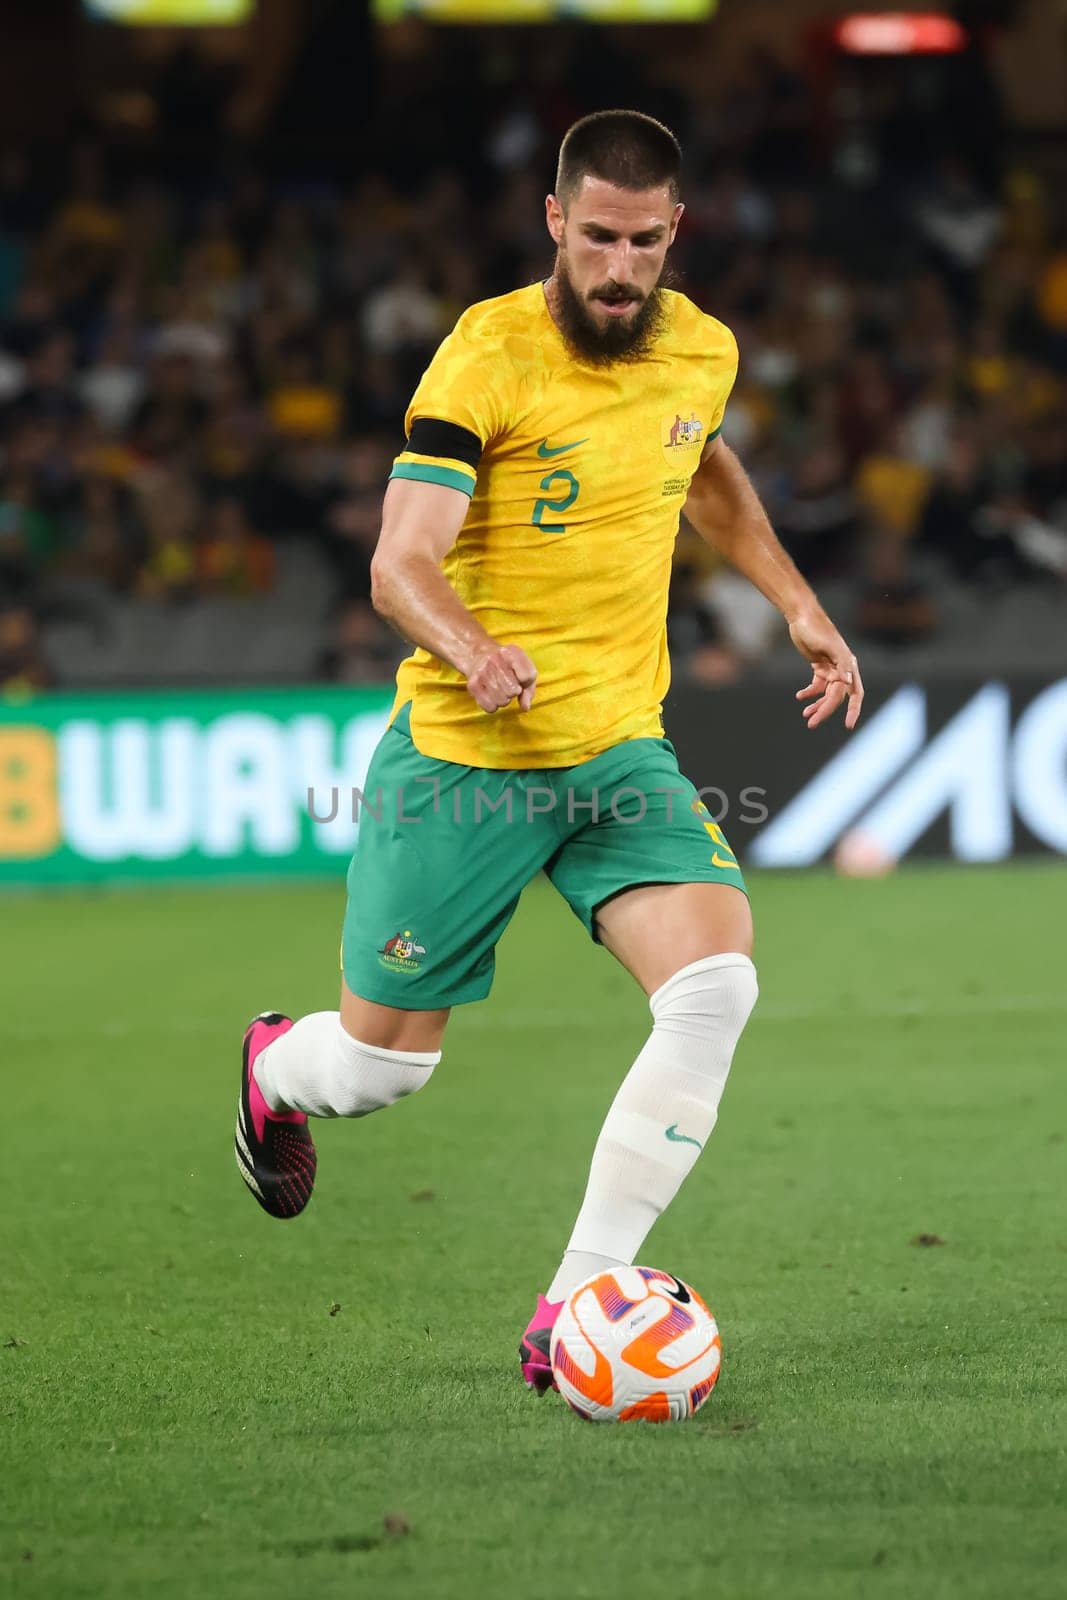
{"type": "Point", "coordinates": [561, 502]}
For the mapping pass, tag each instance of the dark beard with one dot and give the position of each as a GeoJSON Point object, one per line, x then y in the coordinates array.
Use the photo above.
{"type": "Point", "coordinates": [629, 340]}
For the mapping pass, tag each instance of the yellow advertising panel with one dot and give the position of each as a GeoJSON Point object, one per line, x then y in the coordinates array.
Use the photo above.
{"type": "Point", "coordinates": [194, 13]}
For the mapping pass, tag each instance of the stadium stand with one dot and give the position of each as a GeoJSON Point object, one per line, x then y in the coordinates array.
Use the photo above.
{"type": "Point", "coordinates": [202, 379]}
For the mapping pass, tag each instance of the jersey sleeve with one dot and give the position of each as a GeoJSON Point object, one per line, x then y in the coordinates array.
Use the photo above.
{"type": "Point", "coordinates": [461, 403]}
{"type": "Point", "coordinates": [725, 356]}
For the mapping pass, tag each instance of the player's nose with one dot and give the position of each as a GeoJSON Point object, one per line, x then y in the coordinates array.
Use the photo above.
{"type": "Point", "coordinates": [621, 264]}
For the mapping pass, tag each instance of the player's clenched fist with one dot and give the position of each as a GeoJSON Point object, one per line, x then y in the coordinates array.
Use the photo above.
{"type": "Point", "coordinates": [504, 674]}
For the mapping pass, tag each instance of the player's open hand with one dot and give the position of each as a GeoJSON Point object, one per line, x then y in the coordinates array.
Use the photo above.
{"type": "Point", "coordinates": [835, 673]}
{"type": "Point", "coordinates": [505, 674]}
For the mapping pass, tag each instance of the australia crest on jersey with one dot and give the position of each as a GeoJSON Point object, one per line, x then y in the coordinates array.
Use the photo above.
{"type": "Point", "coordinates": [402, 952]}
{"type": "Point", "coordinates": [682, 433]}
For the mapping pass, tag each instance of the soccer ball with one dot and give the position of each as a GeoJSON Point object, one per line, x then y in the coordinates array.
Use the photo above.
{"type": "Point", "coordinates": [635, 1345]}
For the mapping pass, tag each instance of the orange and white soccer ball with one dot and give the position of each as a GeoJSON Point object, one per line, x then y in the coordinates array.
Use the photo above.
{"type": "Point", "coordinates": [635, 1345]}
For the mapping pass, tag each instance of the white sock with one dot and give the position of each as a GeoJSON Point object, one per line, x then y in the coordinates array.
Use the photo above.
{"type": "Point", "coordinates": [576, 1266]}
{"type": "Point", "coordinates": [662, 1115]}
{"type": "Point", "coordinates": [320, 1069]}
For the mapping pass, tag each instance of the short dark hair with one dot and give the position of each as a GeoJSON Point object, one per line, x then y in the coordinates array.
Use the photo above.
{"type": "Point", "coordinates": [625, 148]}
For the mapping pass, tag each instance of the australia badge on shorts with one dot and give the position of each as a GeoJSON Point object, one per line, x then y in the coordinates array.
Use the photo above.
{"type": "Point", "coordinates": [402, 952]}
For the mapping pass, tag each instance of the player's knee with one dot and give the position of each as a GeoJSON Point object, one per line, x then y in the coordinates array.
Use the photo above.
{"type": "Point", "coordinates": [709, 999]}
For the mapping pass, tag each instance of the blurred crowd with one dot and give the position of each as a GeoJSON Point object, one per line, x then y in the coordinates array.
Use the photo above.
{"type": "Point", "coordinates": [193, 373]}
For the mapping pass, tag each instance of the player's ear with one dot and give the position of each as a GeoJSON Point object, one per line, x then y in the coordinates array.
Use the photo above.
{"type": "Point", "coordinates": [679, 211]}
{"type": "Point", "coordinates": [554, 218]}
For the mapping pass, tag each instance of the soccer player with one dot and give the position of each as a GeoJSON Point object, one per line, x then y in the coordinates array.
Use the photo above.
{"type": "Point", "coordinates": [526, 544]}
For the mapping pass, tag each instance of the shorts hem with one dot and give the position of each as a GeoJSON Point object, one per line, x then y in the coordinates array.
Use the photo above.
{"type": "Point", "coordinates": [379, 995]}
{"type": "Point", "coordinates": [589, 919]}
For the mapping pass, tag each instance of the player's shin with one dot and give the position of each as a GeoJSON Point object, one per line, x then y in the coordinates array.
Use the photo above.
{"type": "Point", "coordinates": [320, 1069]}
{"type": "Point", "coordinates": [662, 1115]}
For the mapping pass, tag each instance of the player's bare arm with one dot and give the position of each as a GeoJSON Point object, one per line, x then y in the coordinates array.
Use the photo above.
{"type": "Point", "coordinates": [725, 510]}
{"type": "Point", "coordinates": [420, 524]}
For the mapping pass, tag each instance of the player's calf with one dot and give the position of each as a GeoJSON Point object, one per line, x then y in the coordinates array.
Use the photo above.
{"type": "Point", "coordinates": [320, 1069]}
{"type": "Point", "coordinates": [663, 1114]}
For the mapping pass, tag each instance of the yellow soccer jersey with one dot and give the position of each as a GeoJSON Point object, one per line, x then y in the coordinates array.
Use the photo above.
{"type": "Point", "coordinates": [577, 475]}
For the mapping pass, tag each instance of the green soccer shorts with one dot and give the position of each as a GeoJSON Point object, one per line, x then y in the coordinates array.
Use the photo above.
{"type": "Point", "coordinates": [444, 851]}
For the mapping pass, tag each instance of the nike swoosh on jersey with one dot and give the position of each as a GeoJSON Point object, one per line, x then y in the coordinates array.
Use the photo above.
{"type": "Point", "coordinates": [720, 861]}
{"type": "Point", "coordinates": [560, 450]}
{"type": "Point", "coordinates": [680, 1138]}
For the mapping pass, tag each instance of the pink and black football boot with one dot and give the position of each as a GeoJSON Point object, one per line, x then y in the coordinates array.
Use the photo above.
{"type": "Point", "coordinates": [275, 1153]}
{"type": "Point", "coordinates": [536, 1341]}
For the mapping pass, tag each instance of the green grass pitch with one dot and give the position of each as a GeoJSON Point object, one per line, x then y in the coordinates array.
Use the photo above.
{"type": "Point", "coordinates": [197, 1401]}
